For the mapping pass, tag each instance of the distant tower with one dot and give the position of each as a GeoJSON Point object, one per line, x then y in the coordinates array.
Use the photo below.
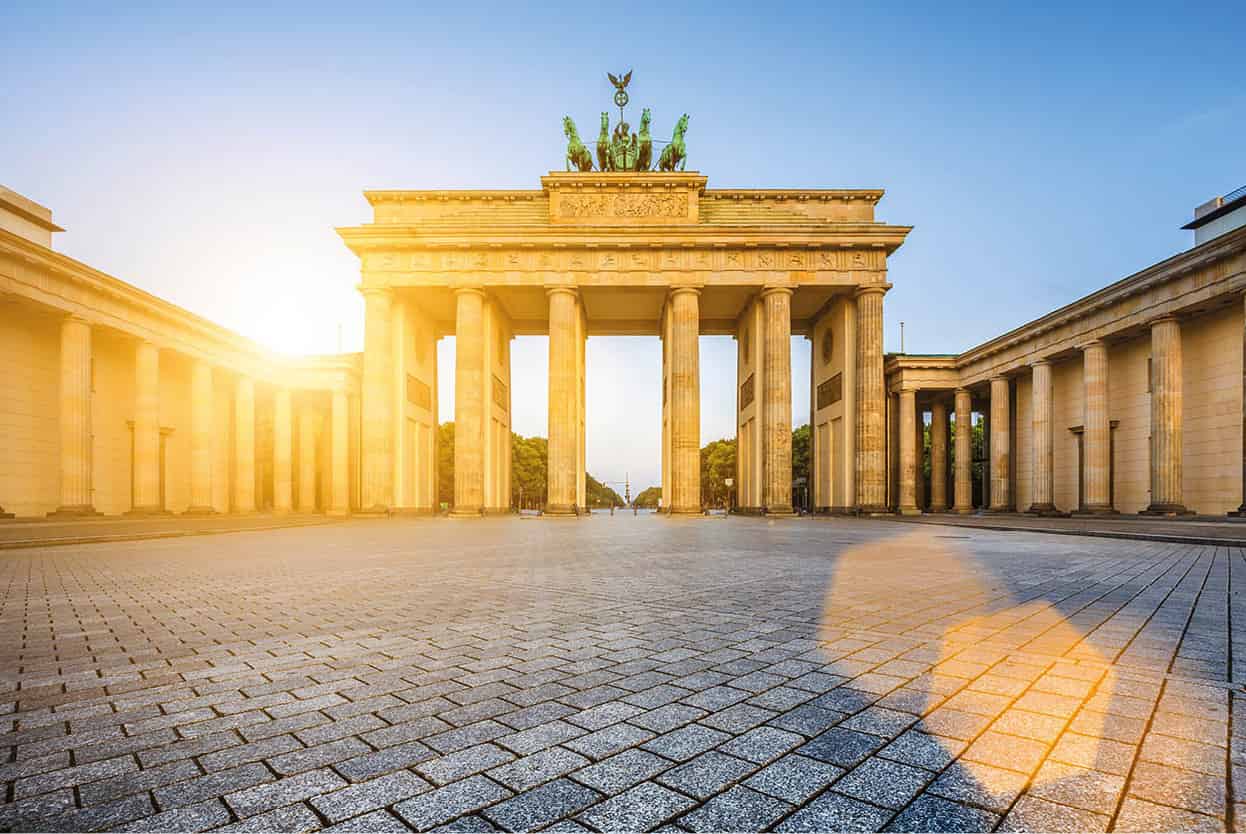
{"type": "Point", "coordinates": [627, 490]}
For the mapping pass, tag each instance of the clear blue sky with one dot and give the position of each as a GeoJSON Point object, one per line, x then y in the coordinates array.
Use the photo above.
{"type": "Point", "coordinates": [1040, 151]}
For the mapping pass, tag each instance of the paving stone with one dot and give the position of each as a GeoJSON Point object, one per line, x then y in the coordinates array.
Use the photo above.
{"type": "Point", "coordinates": [603, 715]}
{"type": "Point", "coordinates": [107, 816]}
{"type": "Point", "coordinates": [266, 797]}
{"type": "Point", "coordinates": [290, 818]}
{"type": "Point", "coordinates": [924, 750]}
{"type": "Point", "coordinates": [369, 796]}
{"type": "Point", "coordinates": [762, 744]}
{"type": "Point", "coordinates": [643, 808]}
{"type": "Point", "coordinates": [199, 817]}
{"type": "Point", "coordinates": [377, 822]}
{"type": "Point", "coordinates": [138, 781]}
{"type": "Point", "coordinates": [473, 760]}
{"type": "Point", "coordinates": [256, 751]}
{"type": "Point", "coordinates": [707, 774]}
{"type": "Point", "coordinates": [738, 718]}
{"type": "Point", "coordinates": [538, 768]}
{"type": "Point", "coordinates": [71, 776]}
{"type": "Point", "coordinates": [835, 812]}
{"type": "Point", "coordinates": [1186, 789]}
{"type": "Point", "coordinates": [472, 822]}
{"type": "Point", "coordinates": [1037, 815]}
{"type": "Point", "coordinates": [1139, 815]}
{"type": "Point", "coordinates": [364, 767]}
{"type": "Point", "coordinates": [808, 720]}
{"type": "Point", "coordinates": [622, 771]}
{"type": "Point", "coordinates": [794, 778]}
{"type": "Point", "coordinates": [1079, 787]}
{"type": "Point", "coordinates": [667, 718]}
{"type": "Point", "coordinates": [931, 813]}
{"type": "Point", "coordinates": [739, 809]}
{"type": "Point", "coordinates": [543, 805]}
{"type": "Point", "coordinates": [981, 785]}
{"type": "Point", "coordinates": [310, 758]}
{"type": "Point", "coordinates": [686, 742]}
{"type": "Point", "coordinates": [454, 800]}
{"type": "Point", "coordinates": [540, 737]}
{"type": "Point", "coordinates": [842, 747]}
{"type": "Point", "coordinates": [884, 782]}
{"type": "Point", "coordinates": [609, 741]}
{"type": "Point", "coordinates": [195, 791]}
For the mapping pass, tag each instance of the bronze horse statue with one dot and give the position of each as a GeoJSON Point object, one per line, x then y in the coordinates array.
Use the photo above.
{"type": "Point", "coordinates": [644, 158]}
{"type": "Point", "coordinates": [577, 154]}
{"type": "Point", "coordinates": [676, 153]}
{"type": "Point", "coordinates": [603, 143]}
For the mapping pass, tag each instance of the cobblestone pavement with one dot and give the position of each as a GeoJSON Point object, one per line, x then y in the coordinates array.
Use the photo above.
{"type": "Point", "coordinates": [622, 673]}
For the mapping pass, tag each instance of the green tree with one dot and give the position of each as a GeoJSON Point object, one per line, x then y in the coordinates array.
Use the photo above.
{"type": "Point", "coordinates": [529, 461]}
{"type": "Point", "coordinates": [717, 465]}
{"type": "Point", "coordinates": [598, 494]}
{"type": "Point", "coordinates": [445, 464]}
{"type": "Point", "coordinates": [800, 463]}
{"type": "Point", "coordinates": [648, 498]}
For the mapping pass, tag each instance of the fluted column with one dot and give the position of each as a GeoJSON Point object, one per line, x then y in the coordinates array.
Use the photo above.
{"type": "Point", "coordinates": [469, 403]}
{"type": "Point", "coordinates": [340, 442]}
{"type": "Point", "coordinates": [1001, 446]}
{"type": "Point", "coordinates": [75, 419]}
{"type": "Point", "coordinates": [1240, 512]}
{"type": "Point", "coordinates": [202, 410]}
{"type": "Point", "coordinates": [871, 456]}
{"type": "Point", "coordinates": [938, 456]}
{"type": "Point", "coordinates": [1042, 472]}
{"type": "Point", "coordinates": [776, 404]}
{"type": "Point", "coordinates": [908, 453]}
{"type": "Point", "coordinates": [283, 479]}
{"type": "Point", "coordinates": [307, 460]}
{"type": "Point", "coordinates": [1166, 418]}
{"type": "Point", "coordinates": [964, 452]}
{"type": "Point", "coordinates": [1096, 431]}
{"type": "Point", "coordinates": [378, 406]}
{"type": "Point", "coordinates": [244, 446]}
{"type": "Point", "coordinates": [147, 429]}
{"type": "Point", "coordinates": [685, 401]}
{"type": "Point", "coordinates": [564, 440]}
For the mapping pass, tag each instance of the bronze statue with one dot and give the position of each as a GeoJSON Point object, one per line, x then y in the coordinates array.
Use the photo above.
{"type": "Point", "coordinates": [603, 143]}
{"type": "Point", "coordinates": [676, 153]}
{"type": "Point", "coordinates": [623, 149]}
{"type": "Point", "coordinates": [577, 154]}
{"type": "Point", "coordinates": [644, 158]}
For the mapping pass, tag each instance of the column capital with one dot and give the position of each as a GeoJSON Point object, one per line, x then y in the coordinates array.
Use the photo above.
{"type": "Point", "coordinates": [1000, 378]}
{"type": "Point", "coordinates": [682, 290]}
{"type": "Point", "coordinates": [1044, 362]}
{"type": "Point", "coordinates": [1164, 319]}
{"type": "Point", "coordinates": [562, 288]}
{"type": "Point", "coordinates": [775, 290]}
{"type": "Point", "coordinates": [480, 291]}
{"type": "Point", "coordinates": [867, 289]}
{"type": "Point", "coordinates": [1097, 342]}
{"type": "Point", "coordinates": [963, 392]}
{"type": "Point", "coordinates": [76, 318]}
{"type": "Point", "coordinates": [366, 291]}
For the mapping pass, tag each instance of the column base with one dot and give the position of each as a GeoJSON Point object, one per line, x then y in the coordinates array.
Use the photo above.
{"type": "Point", "coordinates": [398, 511]}
{"type": "Point", "coordinates": [1167, 510]}
{"type": "Point", "coordinates": [780, 512]}
{"type": "Point", "coordinates": [375, 511]}
{"type": "Point", "coordinates": [1005, 510]}
{"type": "Point", "coordinates": [963, 510]}
{"type": "Point", "coordinates": [561, 510]}
{"type": "Point", "coordinates": [1096, 509]}
{"type": "Point", "coordinates": [1046, 510]}
{"type": "Point", "coordinates": [4, 515]}
{"type": "Point", "coordinates": [938, 508]}
{"type": "Point", "coordinates": [70, 512]}
{"type": "Point", "coordinates": [147, 512]}
{"type": "Point", "coordinates": [908, 511]}
{"type": "Point", "coordinates": [874, 510]}
{"type": "Point", "coordinates": [203, 511]}
{"type": "Point", "coordinates": [687, 511]}
{"type": "Point", "coordinates": [467, 512]}
{"type": "Point", "coordinates": [343, 512]}
{"type": "Point", "coordinates": [1239, 513]}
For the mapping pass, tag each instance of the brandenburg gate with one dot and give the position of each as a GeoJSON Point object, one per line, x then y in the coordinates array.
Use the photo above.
{"type": "Point", "coordinates": [634, 253]}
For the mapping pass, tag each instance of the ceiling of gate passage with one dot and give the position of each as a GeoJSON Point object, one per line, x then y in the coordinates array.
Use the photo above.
{"type": "Point", "coordinates": [620, 311]}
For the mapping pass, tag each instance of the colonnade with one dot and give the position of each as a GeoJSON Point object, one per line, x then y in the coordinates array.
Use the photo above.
{"type": "Point", "coordinates": [1095, 491]}
{"type": "Point", "coordinates": [76, 394]}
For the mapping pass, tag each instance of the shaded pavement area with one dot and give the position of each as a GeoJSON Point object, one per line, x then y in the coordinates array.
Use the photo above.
{"type": "Point", "coordinates": [26, 532]}
{"type": "Point", "coordinates": [623, 673]}
{"type": "Point", "coordinates": [1190, 530]}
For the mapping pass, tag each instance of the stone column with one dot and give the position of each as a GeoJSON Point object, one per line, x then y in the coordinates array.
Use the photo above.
{"type": "Point", "coordinates": [307, 460]}
{"type": "Point", "coordinates": [776, 405]}
{"type": "Point", "coordinates": [469, 403]}
{"type": "Point", "coordinates": [564, 303]}
{"type": "Point", "coordinates": [938, 456]}
{"type": "Point", "coordinates": [283, 479]}
{"type": "Point", "coordinates": [964, 452]}
{"type": "Point", "coordinates": [1166, 418]}
{"type": "Point", "coordinates": [378, 406]}
{"type": "Point", "coordinates": [1096, 431]}
{"type": "Point", "coordinates": [685, 401]}
{"type": "Point", "coordinates": [871, 425]}
{"type": "Point", "coordinates": [1240, 512]}
{"type": "Point", "coordinates": [908, 453]}
{"type": "Point", "coordinates": [340, 441]}
{"type": "Point", "coordinates": [202, 411]}
{"type": "Point", "coordinates": [147, 429]}
{"type": "Point", "coordinates": [75, 419]}
{"type": "Point", "coordinates": [1001, 451]}
{"type": "Point", "coordinates": [919, 448]}
{"type": "Point", "coordinates": [244, 446]}
{"type": "Point", "coordinates": [1043, 484]}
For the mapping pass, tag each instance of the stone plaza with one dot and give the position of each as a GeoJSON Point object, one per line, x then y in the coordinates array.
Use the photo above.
{"type": "Point", "coordinates": [625, 672]}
